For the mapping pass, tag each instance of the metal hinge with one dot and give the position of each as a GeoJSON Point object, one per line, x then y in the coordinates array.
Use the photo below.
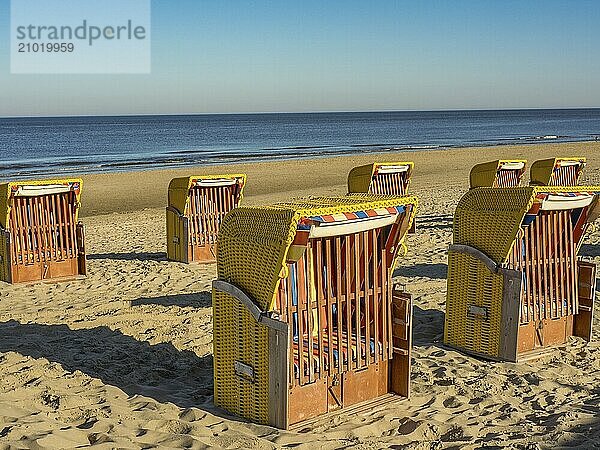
{"type": "Point", "coordinates": [245, 371]}
{"type": "Point", "coordinates": [477, 312]}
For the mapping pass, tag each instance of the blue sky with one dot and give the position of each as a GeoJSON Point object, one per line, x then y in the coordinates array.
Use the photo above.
{"type": "Point", "coordinates": [242, 56]}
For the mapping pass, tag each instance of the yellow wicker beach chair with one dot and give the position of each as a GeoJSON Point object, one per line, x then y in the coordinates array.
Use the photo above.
{"type": "Point", "coordinates": [196, 207]}
{"type": "Point", "coordinates": [390, 178]}
{"type": "Point", "coordinates": [41, 237]}
{"type": "Point", "coordinates": [499, 173]}
{"type": "Point", "coordinates": [515, 283]}
{"type": "Point", "coordinates": [557, 171]}
{"type": "Point", "coordinates": [305, 317]}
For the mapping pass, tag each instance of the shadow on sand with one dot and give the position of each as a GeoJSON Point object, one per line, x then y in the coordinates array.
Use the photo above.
{"type": "Point", "coordinates": [590, 250]}
{"type": "Point", "coordinates": [197, 300]}
{"type": "Point", "coordinates": [143, 256]}
{"type": "Point", "coordinates": [159, 371]}
{"type": "Point", "coordinates": [437, 271]}
{"type": "Point", "coordinates": [439, 222]}
{"type": "Point", "coordinates": [428, 327]}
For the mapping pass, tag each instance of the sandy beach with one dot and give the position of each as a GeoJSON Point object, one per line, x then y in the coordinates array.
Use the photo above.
{"type": "Point", "coordinates": [122, 359]}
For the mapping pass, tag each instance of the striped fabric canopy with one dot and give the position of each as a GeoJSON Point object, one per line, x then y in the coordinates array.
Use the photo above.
{"type": "Point", "coordinates": [306, 223]}
{"type": "Point", "coordinates": [71, 185]}
{"type": "Point", "coordinates": [578, 215]}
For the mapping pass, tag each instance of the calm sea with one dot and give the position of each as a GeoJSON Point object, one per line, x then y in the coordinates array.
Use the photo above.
{"type": "Point", "coordinates": [60, 145]}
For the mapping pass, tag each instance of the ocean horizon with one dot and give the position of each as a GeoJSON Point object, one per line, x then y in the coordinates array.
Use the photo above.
{"type": "Point", "coordinates": [61, 145]}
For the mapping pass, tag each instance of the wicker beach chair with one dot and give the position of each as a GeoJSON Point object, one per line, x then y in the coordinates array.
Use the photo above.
{"type": "Point", "coordinates": [499, 173]}
{"type": "Point", "coordinates": [557, 171]}
{"type": "Point", "coordinates": [515, 283]}
{"type": "Point", "coordinates": [391, 178]}
{"type": "Point", "coordinates": [196, 208]}
{"type": "Point", "coordinates": [41, 238]}
{"type": "Point", "coordinates": [305, 317]}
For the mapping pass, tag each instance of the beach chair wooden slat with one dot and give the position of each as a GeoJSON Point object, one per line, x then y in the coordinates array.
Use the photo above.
{"type": "Point", "coordinates": [339, 260]}
{"type": "Point", "coordinates": [388, 305]}
{"type": "Point", "coordinates": [54, 227]}
{"type": "Point", "coordinates": [49, 233]}
{"type": "Point", "coordinates": [567, 265]}
{"type": "Point", "coordinates": [370, 295]}
{"type": "Point", "coordinates": [36, 212]}
{"type": "Point", "coordinates": [539, 293]}
{"type": "Point", "coordinates": [375, 265]}
{"type": "Point", "coordinates": [322, 304]}
{"type": "Point", "coordinates": [17, 238]}
{"type": "Point", "coordinates": [533, 281]}
{"type": "Point", "coordinates": [41, 208]}
{"type": "Point", "coordinates": [207, 197]}
{"type": "Point", "coordinates": [574, 303]}
{"type": "Point", "coordinates": [332, 299]}
{"type": "Point", "coordinates": [347, 304]}
{"type": "Point", "coordinates": [309, 289]}
{"type": "Point", "coordinates": [65, 224]}
{"type": "Point", "coordinates": [553, 267]}
{"type": "Point", "coordinates": [546, 265]}
{"type": "Point", "coordinates": [32, 218]}
{"type": "Point", "coordinates": [72, 226]}
{"type": "Point", "coordinates": [214, 214]}
{"type": "Point", "coordinates": [384, 281]}
{"type": "Point", "coordinates": [300, 293]}
{"type": "Point", "coordinates": [564, 265]}
{"type": "Point", "coordinates": [357, 297]}
{"type": "Point", "coordinates": [25, 231]}
{"type": "Point", "coordinates": [195, 219]}
{"type": "Point", "coordinates": [291, 314]}
{"type": "Point", "coordinates": [554, 273]}
{"type": "Point", "coordinates": [202, 209]}
{"type": "Point", "coordinates": [67, 234]}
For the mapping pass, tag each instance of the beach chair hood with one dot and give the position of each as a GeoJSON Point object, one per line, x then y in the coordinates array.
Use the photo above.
{"type": "Point", "coordinates": [256, 242]}
{"type": "Point", "coordinates": [178, 196]}
{"type": "Point", "coordinates": [501, 211]}
{"type": "Point", "coordinates": [488, 174]}
{"type": "Point", "coordinates": [36, 187]}
{"type": "Point", "coordinates": [359, 178]}
{"type": "Point", "coordinates": [543, 172]}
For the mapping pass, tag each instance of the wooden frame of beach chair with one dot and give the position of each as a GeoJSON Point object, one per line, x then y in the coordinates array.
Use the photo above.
{"type": "Point", "coordinates": [41, 237]}
{"type": "Point", "coordinates": [306, 321]}
{"type": "Point", "coordinates": [516, 286]}
{"type": "Point", "coordinates": [557, 171]}
{"type": "Point", "coordinates": [499, 173]}
{"type": "Point", "coordinates": [196, 208]}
